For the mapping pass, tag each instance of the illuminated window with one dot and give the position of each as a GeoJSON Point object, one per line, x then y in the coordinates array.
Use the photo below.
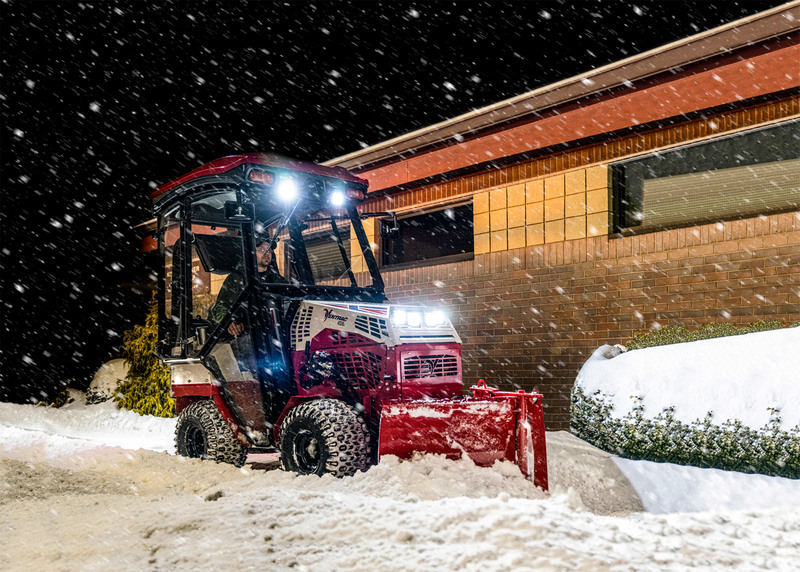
{"type": "Point", "coordinates": [739, 176]}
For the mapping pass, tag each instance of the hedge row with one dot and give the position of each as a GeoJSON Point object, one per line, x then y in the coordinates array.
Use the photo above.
{"type": "Point", "coordinates": [678, 334]}
{"type": "Point", "coordinates": [702, 443]}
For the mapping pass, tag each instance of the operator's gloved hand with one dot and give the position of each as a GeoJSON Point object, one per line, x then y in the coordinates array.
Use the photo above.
{"type": "Point", "coordinates": [235, 329]}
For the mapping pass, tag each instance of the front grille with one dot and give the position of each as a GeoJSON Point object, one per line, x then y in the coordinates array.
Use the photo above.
{"type": "Point", "coordinates": [361, 369]}
{"type": "Point", "coordinates": [421, 367]}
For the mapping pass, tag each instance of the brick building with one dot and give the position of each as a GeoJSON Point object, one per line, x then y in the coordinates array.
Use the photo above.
{"type": "Point", "coordinates": [659, 190]}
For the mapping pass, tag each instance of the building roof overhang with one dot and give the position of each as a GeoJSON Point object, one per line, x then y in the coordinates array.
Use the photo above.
{"type": "Point", "coordinates": [462, 134]}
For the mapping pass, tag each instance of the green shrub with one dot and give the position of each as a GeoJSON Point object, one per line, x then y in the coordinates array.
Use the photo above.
{"type": "Point", "coordinates": [679, 334]}
{"type": "Point", "coordinates": [146, 389]}
{"type": "Point", "coordinates": [730, 446]}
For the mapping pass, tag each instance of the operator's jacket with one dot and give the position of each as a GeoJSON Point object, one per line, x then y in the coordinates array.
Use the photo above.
{"type": "Point", "coordinates": [233, 286]}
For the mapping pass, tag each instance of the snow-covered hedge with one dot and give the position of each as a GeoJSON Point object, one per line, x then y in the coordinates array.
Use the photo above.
{"type": "Point", "coordinates": [679, 334]}
{"type": "Point", "coordinates": [729, 403]}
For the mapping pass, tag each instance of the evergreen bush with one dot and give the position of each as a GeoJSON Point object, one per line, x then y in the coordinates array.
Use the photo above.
{"type": "Point", "coordinates": [730, 446]}
{"type": "Point", "coordinates": [146, 389]}
{"type": "Point", "coordinates": [679, 334]}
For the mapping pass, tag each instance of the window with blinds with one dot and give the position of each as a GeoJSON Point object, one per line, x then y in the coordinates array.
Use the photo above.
{"type": "Point", "coordinates": [743, 175]}
{"type": "Point", "coordinates": [325, 256]}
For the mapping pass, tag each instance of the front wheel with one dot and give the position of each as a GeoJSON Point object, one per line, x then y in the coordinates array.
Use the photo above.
{"type": "Point", "coordinates": [202, 433]}
{"type": "Point", "coordinates": [324, 436]}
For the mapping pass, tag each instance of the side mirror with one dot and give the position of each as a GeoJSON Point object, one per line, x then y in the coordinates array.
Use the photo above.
{"type": "Point", "coordinates": [238, 212]}
{"type": "Point", "coordinates": [389, 231]}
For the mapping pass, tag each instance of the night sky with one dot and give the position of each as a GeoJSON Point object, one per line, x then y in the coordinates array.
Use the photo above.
{"type": "Point", "coordinates": [102, 102]}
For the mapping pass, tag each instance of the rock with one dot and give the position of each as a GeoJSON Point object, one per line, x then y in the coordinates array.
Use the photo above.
{"type": "Point", "coordinates": [106, 380]}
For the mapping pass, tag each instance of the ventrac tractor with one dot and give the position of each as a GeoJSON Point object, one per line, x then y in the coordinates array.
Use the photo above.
{"type": "Point", "coordinates": [299, 351]}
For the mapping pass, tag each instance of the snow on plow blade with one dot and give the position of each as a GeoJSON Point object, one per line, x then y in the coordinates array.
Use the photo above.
{"type": "Point", "coordinates": [491, 426]}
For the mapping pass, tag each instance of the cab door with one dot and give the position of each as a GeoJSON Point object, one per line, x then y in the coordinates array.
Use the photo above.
{"type": "Point", "coordinates": [217, 292]}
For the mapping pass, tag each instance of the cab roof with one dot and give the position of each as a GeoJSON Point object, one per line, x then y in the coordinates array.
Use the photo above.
{"type": "Point", "coordinates": [225, 164]}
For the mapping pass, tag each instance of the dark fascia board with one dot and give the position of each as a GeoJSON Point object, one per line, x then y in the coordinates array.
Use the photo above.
{"type": "Point", "coordinates": [718, 41]}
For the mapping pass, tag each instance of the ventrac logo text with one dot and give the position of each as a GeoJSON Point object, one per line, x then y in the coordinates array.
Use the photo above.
{"type": "Point", "coordinates": [329, 315]}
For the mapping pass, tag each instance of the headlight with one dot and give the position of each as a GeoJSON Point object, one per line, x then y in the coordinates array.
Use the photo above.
{"type": "Point", "coordinates": [287, 190]}
{"type": "Point", "coordinates": [434, 318]}
{"type": "Point", "coordinates": [337, 198]}
{"type": "Point", "coordinates": [399, 318]}
{"type": "Point", "coordinates": [416, 318]}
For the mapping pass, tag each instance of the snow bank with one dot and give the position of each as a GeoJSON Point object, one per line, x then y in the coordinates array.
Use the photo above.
{"type": "Point", "coordinates": [102, 507]}
{"type": "Point", "coordinates": [28, 431]}
{"type": "Point", "coordinates": [668, 488]}
{"type": "Point", "coordinates": [161, 512]}
{"type": "Point", "coordinates": [737, 377]}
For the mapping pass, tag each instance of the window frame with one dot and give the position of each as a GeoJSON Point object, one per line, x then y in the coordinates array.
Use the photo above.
{"type": "Point", "coordinates": [419, 212]}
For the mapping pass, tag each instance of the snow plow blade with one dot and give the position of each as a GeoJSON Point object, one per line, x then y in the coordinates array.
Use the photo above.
{"type": "Point", "coordinates": [491, 426]}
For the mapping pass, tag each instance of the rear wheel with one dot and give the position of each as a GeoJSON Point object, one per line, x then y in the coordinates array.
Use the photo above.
{"type": "Point", "coordinates": [324, 436]}
{"type": "Point", "coordinates": [202, 433]}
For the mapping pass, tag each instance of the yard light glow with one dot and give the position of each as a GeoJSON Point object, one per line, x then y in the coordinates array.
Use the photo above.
{"type": "Point", "coordinates": [287, 190]}
{"type": "Point", "coordinates": [337, 198]}
{"type": "Point", "coordinates": [435, 318]}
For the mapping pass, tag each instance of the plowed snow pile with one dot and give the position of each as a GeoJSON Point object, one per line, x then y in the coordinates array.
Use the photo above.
{"type": "Point", "coordinates": [72, 498]}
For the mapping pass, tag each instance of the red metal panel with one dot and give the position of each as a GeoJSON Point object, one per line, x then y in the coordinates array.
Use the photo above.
{"type": "Point", "coordinates": [194, 390]}
{"type": "Point", "coordinates": [531, 446]}
{"type": "Point", "coordinates": [484, 430]}
{"type": "Point", "coordinates": [772, 72]}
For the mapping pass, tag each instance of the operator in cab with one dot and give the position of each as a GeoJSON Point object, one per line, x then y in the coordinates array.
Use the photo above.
{"type": "Point", "coordinates": [234, 284]}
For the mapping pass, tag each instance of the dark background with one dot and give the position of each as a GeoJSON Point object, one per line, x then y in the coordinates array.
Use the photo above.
{"type": "Point", "coordinates": [102, 102]}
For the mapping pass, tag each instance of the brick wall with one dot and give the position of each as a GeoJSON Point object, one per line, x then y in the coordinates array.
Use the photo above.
{"type": "Point", "coordinates": [531, 316]}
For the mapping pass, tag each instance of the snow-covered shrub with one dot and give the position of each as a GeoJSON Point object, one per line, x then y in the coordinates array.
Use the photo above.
{"type": "Point", "coordinates": [679, 334]}
{"type": "Point", "coordinates": [146, 389]}
{"type": "Point", "coordinates": [730, 446]}
{"type": "Point", "coordinates": [731, 403]}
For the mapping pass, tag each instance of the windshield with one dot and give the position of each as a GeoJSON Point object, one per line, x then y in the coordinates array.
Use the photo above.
{"type": "Point", "coordinates": [303, 242]}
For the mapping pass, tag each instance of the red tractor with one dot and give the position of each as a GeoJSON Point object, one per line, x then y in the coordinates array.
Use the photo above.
{"type": "Point", "coordinates": [274, 323]}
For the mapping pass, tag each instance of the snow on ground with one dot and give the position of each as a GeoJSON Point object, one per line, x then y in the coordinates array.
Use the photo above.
{"type": "Point", "coordinates": [95, 488]}
{"type": "Point", "coordinates": [737, 377]}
